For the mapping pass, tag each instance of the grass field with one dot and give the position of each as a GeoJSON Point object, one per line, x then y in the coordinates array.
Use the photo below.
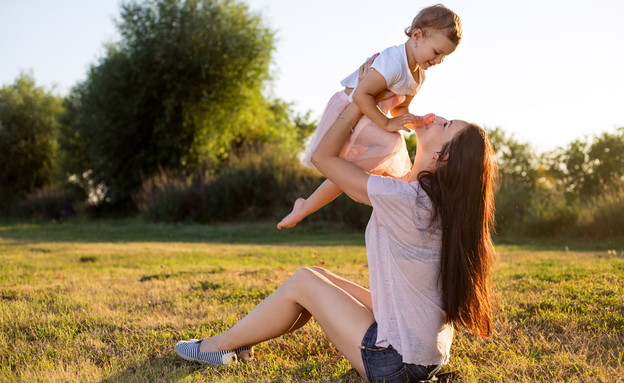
{"type": "Point", "coordinates": [106, 301]}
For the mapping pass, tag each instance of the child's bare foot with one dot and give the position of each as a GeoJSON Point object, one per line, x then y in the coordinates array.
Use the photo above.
{"type": "Point", "coordinates": [295, 216]}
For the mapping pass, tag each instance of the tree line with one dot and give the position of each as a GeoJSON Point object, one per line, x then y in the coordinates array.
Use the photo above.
{"type": "Point", "coordinates": [172, 123]}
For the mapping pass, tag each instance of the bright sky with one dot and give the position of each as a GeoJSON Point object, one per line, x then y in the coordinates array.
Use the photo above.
{"type": "Point", "coordinates": [547, 71]}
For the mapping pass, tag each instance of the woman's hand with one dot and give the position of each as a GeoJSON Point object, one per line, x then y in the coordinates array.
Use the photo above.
{"type": "Point", "coordinates": [365, 68]}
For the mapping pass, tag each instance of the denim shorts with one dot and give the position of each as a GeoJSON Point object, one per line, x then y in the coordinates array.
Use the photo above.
{"type": "Point", "coordinates": [385, 364]}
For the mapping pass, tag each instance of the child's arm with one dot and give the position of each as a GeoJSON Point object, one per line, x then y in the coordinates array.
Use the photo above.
{"type": "Point", "coordinates": [402, 108]}
{"type": "Point", "coordinates": [364, 97]}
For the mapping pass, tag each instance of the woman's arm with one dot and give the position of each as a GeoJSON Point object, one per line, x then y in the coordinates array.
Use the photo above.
{"type": "Point", "coordinates": [347, 176]}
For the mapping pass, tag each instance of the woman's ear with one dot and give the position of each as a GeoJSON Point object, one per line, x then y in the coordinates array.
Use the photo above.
{"type": "Point", "coordinates": [436, 156]}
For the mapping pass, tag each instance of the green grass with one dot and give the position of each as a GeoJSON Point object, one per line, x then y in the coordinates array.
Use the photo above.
{"type": "Point", "coordinates": [106, 301]}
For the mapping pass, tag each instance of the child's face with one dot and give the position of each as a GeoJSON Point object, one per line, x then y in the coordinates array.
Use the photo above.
{"type": "Point", "coordinates": [432, 48]}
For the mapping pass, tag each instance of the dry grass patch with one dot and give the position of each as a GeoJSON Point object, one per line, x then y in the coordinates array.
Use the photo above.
{"type": "Point", "coordinates": [106, 302]}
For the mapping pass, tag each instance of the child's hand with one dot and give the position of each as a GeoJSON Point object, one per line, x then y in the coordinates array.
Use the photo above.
{"type": "Point", "coordinates": [401, 122]}
{"type": "Point", "coordinates": [421, 121]}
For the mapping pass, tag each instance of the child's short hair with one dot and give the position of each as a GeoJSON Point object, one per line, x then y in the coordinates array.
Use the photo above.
{"type": "Point", "coordinates": [437, 17]}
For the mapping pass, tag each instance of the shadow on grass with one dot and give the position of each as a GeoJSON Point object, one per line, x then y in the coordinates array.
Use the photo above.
{"type": "Point", "coordinates": [166, 368]}
{"type": "Point", "coordinates": [261, 233]}
{"type": "Point", "coordinates": [560, 243]}
{"type": "Point", "coordinates": [170, 368]}
{"type": "Point", "coordinates": [134, 230]}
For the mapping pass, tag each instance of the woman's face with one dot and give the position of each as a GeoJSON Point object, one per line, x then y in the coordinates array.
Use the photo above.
{"type": "Point", "coordinates": [431, 138]}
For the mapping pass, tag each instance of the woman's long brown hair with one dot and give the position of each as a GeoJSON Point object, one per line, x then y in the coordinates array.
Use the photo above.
{"type": "Point", "coordinates": [462, 191]}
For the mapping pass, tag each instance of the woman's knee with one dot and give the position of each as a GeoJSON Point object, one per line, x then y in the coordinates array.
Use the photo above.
{"type": "Point", "coordinates": [305, 278]}
{"type": "Point", "coordinates": [319, 270]}
{"type": "Point", "coordinates": [304, 274]}
{"type": "Point", "coordinates": [299, 277]}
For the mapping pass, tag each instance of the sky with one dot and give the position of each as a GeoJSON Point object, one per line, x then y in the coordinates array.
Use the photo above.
{"type": "Point", "coordinates": [545, 71]}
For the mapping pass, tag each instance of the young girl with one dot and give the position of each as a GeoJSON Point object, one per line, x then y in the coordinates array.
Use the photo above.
{"type": "Point", "coordinates": [398, 73]}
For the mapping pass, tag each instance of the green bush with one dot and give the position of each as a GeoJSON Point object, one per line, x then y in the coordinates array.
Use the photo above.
{"type": "Point", "coordinates": [344, 211]}
{"type": "Point", "coordinates": [260, 185]}
{"type": "Point", "coordinates": [48, 204]}
{"type": "Point", "coordinates": [255, 186]}
{"type": "Point", "coordinates": [603, 216]}
{"type": "Point", "coordinates": [512, 205]}
{"type": "Point", "coordinates": [550, 214]}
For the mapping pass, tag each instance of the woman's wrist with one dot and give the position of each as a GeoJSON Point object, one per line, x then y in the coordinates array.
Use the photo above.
{"type": "Point", "coordinates": [348, 121]}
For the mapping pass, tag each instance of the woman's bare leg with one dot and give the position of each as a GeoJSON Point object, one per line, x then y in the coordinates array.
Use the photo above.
{"type": "Point", "coordinates": [341, 316]}
{"type": "Point", "coordinates": [323, 195]}
{"type": "Point", "coordinates": [356, 291]}
{"type": "Point", "coordinates": [300, 322]}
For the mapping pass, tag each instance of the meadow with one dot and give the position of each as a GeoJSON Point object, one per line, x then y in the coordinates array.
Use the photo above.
{"type": "Point", "coordinates": [105, 301]}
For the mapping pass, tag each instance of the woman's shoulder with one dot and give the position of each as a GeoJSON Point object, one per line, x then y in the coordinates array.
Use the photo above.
{"type": "Point", "coordinates": [393, 198]}
{"type": "Point", "coordinates": [397, 186]}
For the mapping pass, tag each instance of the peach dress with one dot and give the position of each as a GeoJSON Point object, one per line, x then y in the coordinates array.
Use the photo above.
{"type": "Point", "coordinates": [370, 147]}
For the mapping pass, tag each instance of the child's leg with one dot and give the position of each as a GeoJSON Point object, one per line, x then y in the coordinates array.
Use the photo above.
{"type": "Point", "coordinates": [307, 292]}
{"type": "Point", "coordinates": [323, 195]}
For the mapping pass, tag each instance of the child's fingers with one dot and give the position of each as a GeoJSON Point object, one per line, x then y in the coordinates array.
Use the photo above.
{"type": "Point", "coordinates": [425, 120]}
{"type": "Point", "coordinates": [409, 120]}
{"type": "Point", "coordinates": [416, 121]}
{"type": "Point", "coordinates": [429, 118]}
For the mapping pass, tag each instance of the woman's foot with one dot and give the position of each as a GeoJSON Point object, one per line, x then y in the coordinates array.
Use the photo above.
{"type": "Point", "coordinates": [295, 216]}
{"type": "Point", "coordinates": [190, 350]}
{"type": "Point", "coordinates": [209, 345]}
{"type": "Point", "coordinates": [244, 354]}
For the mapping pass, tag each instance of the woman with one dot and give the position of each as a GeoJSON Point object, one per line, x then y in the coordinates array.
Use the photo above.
{"type": "Point", "coordinates": [429, 254]}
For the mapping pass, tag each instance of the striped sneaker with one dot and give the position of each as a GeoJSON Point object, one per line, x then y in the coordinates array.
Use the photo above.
{"type": "Point", "coordinates": [245, 354]}
{"type": "Point", "coordinates": [189, 350]}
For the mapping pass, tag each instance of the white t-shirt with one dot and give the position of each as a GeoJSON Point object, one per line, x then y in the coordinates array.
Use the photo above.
{"type": "Point", "coordinates": [403, 248]}
{"type": "Point", "coordinates": [392, 65]}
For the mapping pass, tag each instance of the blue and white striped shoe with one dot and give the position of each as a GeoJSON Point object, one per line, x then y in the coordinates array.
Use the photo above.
{"type": "Point", "coordinates": [245, 354]}
{"type": "Point", "coordinates": [189, 350]}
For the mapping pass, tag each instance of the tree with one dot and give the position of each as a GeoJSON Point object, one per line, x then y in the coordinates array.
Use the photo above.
{"type": "Point", "coordinates": [517, 161]}
{"type": "Point", "coordinates": [590, 167]}
{"type": "Point", "coordinates": [606, 156]}
{"type": "Point", "coordinates": [518, 179]}
{"type": "Point", "coordinates": [28, 129]}
{"type": "Point", "coordinates": [570, 168]}
{"type": "Point", "coordinates": [170, 94]}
